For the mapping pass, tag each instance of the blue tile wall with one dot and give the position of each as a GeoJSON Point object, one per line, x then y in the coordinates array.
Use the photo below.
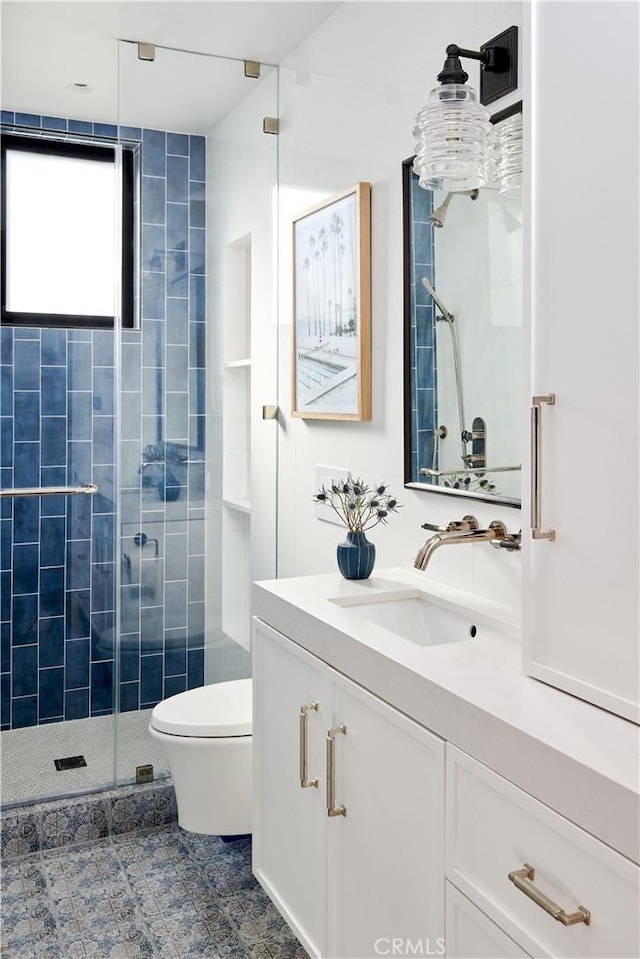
{"type": "Point", "coordinates": [62, 558]}
{"type": "Point", "coordinates": [424, 404]}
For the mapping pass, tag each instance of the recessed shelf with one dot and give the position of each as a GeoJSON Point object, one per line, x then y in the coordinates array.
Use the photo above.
{"type": "Point", "coordinates": [236, 364]}
{"type": "Point", "coordinates": [241, 504]}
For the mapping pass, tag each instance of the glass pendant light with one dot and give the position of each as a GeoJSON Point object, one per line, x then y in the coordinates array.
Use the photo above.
{"type": "Point", "coordinates": [454, 136]}
{"type": "Point", "coordinates": [508, 143]}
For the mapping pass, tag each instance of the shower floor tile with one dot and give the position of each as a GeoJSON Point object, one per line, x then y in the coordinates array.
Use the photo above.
{"type": "Point", "coordinates": [25, 779]}
{"type": "Point", "coordinates": [161, 893]}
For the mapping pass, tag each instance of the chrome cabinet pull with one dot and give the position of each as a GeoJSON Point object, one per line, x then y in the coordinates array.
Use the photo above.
{"type": "Point", "coordinates": [536, 466]}
{"type": "Point", "coordinates": [332, 809]}
{"type": "Point", "coordinates": [523, 880]}
{"type": "Point", "coordinates": [305, 782]}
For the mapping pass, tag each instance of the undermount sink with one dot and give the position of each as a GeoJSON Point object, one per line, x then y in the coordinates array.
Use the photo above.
{"type": "Point", "coordinates": [418, 618]}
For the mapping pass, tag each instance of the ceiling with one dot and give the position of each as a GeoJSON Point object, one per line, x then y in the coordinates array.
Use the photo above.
{"type": "Point", "coordinates": [47, 47]}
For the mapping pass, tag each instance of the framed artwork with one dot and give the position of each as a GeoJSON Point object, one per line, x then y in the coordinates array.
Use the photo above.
{"type": "Point", "coordinates": [331, 367]}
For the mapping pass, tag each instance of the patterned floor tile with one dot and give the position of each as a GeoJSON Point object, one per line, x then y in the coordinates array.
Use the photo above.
{"type": "Point", "coordinates": [157, 893]}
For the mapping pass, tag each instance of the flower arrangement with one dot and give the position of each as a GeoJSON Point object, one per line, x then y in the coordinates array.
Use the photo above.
{"type": "Point", "coordinates": [359, 506]}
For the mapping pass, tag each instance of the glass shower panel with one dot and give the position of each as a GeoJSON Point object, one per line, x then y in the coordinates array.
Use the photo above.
{"type": "Point", "coordinates": [204, 190]}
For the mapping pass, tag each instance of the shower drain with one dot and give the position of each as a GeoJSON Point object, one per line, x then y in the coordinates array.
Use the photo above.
{"type": "Point", "coordinates": [69, 762]}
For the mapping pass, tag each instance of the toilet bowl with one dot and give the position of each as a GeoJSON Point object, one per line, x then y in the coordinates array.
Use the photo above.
{"type": "Point", "coordinates": [205, 734]}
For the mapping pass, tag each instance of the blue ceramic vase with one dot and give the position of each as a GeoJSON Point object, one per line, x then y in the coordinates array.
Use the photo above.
{"type": "Point", "coordinates": [356, 556]}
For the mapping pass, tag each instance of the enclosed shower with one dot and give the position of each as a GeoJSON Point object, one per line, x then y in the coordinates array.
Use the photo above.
{"type": "Point", "coordinates": [128, 545]}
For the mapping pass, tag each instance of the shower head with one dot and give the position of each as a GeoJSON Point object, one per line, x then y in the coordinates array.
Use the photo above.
{"type": "Point", "coordinates": [439, 214]}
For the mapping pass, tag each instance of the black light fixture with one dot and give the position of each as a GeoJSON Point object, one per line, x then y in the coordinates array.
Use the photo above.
{"type": "Point", "coordinates": [453, 132]}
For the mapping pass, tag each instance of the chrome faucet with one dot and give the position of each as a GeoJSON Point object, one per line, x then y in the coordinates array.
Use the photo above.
{"type": "Point", "coordinates": [465, 531]}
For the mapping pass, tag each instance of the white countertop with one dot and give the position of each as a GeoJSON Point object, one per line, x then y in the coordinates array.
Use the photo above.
{"type": "Point", "coordinates": [575, 757]}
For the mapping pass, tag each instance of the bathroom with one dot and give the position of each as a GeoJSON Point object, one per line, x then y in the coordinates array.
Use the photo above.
{"type": "Point", "coordinates": [346, 81]}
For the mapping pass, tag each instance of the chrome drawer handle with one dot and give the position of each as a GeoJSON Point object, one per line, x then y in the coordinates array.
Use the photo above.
{"type": "Point", "coordinates": [523, 880]}
{"type": "Point", "coordinates": [536, 466]}
{"type": "Point", "coordinates": [305, 782]}
{"type": "Point", "coordinates": [332, 809]}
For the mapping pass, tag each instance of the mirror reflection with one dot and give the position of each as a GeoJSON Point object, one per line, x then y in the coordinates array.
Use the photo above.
{"type": "Point", "coordinates": [463, 318]}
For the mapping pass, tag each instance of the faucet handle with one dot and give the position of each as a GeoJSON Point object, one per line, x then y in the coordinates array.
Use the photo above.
{"type": "Point", "coordinates": [455, 526]}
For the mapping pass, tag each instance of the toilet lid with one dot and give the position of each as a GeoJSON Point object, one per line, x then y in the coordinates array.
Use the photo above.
{"type": "Point", "coordinates": [217, 710]}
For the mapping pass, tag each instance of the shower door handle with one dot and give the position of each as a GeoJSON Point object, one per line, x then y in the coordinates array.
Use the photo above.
{"type": "Point", "coordinates": [305, 782]}
{"type": "Point", "coordinates": [89, 489]}
{"type": "Point", "coordinates": [537, 402]}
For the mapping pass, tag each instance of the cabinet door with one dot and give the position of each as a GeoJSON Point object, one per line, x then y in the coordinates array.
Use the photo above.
{"type": "Point", "coordinates": [581, 618]}
{"type": "Point", "coordinates": [289, 838]}
{"type": "Point", "coordinates": [472, 935]}
{"type": "Point", "coordinates": [386, 856]}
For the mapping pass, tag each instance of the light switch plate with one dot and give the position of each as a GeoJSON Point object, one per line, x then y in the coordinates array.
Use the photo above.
{"type": "Point", "coordinates": [324, 476]}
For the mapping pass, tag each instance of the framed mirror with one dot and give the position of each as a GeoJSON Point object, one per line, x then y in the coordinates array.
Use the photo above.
{"type": "Point", "coordinates": [462, 332]}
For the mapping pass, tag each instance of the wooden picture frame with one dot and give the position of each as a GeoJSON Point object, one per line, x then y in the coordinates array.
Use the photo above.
{"type": "Point", "coordinates": [331, 355]}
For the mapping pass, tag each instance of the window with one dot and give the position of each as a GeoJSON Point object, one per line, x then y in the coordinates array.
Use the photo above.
{"type": "Point", "coordinates": [60, 255]}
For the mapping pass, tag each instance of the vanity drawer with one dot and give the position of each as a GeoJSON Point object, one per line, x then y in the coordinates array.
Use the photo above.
{"type": "Point", "coordinates": [494, 828]}
{"type": "Point", "coordinates": [471, 935]}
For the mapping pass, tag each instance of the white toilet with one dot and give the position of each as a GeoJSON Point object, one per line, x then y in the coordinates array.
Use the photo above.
{"type": "Point", "coordinates": [205, 734]}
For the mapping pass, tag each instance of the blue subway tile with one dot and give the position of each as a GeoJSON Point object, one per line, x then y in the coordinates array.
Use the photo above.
{"type": "Point", "coordinates": [79, 516]}
{"type": "Point", "coordinates": [177, 274]}
{"type": "Point", "coordinates": [5, 700]}
{"type": "Point", "coordinates": [150, 680]}
{"type": "Point", "coordinates": [24, 676]}
{"type": "Point", "coordinates": [174, 685]}
{"type": "Point", "coordinates": [129, 609]}
{"type": "Point", "coordinates": [421, 201]}
{"type": "Point", "coordinates": [105, 130]}
{"type": "Point", "coordinates": [102, 586]}
{"type": "Point", "coordinates": [77, 660]}
{"type": "Point", "coordinates": [24, 712]}
{"type": "Point", "coordinates": [27, 416]}
{"type": "Point", "coordinates": [424, 368]}
{"type": "Point", "coordinates": [177, 368]}
{"type": "Point", "coordinates": [153, 153]}
{"type": "Point", "coordinates": [103, 347]}
{"type": "Point", "coordinates": [6, 390]}
{"type": "Point", "coordinates": [130, 424]}
{"type": "Point", "coordinates": [103, 390]}
{"type": "Point", "coordinates": [195, 625]}
{"type": "Point", "coordinates": [79, 365]}
{"type": "Point", "coordinates": [153, 293]}
{"type": "Point", "coordinates": [130, 133]}
{"type": "Point", "coordinates": [101, 687]}
{"type": "Point", "coordinates": [51, 692]}
{"type": "Point", "coordinates": [79, 564]}
{"type": "Point", "coordinates": [177, 226]}
{"type": "Point", "coordinates": [79, 416]}
{"type": "Point", "coordinates": [129, 697]}
{"type": "Point", "coordinates": [54, 347]}
{"type": "Point", "coordinates": [27, 120]}
{"type": "Point", "coordinates": [129, 659]}
{"type": "Point", "coordinates": [79, 462]}
{"type": "Point", "coordinates": [8, 116]}
{"type": "Point", "coordinates": [52, 591]}
{"type": "Point", "coordinates": [6, 345]}
{"type": "Point", "coordinates": [103, 439]}
{"type": "Point", "coordinates": [102, 636]}
{"type": "Point", "coordinates": [175, 656]}
{"type": "Point", "coordinates": [76, 704]}
{"type": "Point", "coordinates": [25, 569]}
{"type": "Point", "coordinates": [25, 619]}
{"type": "Point", "coordinates": [197, 158]}
{"type": "Point", "coordinates": [5, 596]}
{"type": "Point", "coordinates": [153, 200]}
{"type": "Point", "coordinates": [425, 448]}
{"type": "Point", "coordinates": [53, 440]}
{"type": "Point", "coordinates": [151, 629]}
{"type": "Point", "coordinates": [103, 538]}
{"type": "Point", "coordinates": [54, 391]}
{"type": "Point", "coordinates": [424, 326]}
{"type": "Point", "coordinates": [5, 647]}
{"type": "Point", "coordinates": [51, 641]}
{"type": "Point", "coordinates": [195, 668]}
{"type": "Point", "coordinates": [198, 213]}
{"type": "Point", "coordinates": [177, 322]}
{"type": "Point", "coordinates": [54, 123]}
{"type": "Point", "coordinates": [80, 126]}
{"type": "Point", "coordinates": [26, 519]}
{"type": "Point", "coordinates": [152, 256]}
{"type": "Point", "coordinates": [177, 179]}
{"type": "Point", "coordinates": [197, 251]}
{"type": "Point", "coordinates": [26, 363]}
{"type": "Point", "coordinates": [178, 144]}
{"type": "Point", "coordinates": [195, 579]}
{"type": "Point", "coordinates": [104, 500]}
{"type": "Point", "coordinates": [131, 363]}
{"type": "Point", "coordinates": [78, 612]}
{"type": "Point", "coordinates": [196, 303]}
{"type": "Point", "coordinates": [53, 476]}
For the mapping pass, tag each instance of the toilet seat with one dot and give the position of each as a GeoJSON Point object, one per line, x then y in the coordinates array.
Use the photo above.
{"type": "Point", "coordinates": [216, 711]}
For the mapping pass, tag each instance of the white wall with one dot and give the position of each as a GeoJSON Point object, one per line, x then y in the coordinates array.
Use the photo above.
{"type": "Point", "coordinates": [349, 96]}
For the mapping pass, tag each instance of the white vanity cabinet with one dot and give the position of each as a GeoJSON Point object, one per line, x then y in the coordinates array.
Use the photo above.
{"type": "Point", "coordinates": [497, 833]}
{"type": "Point", "coordinates": [580, 599]}
{"type": "Point", "coordinates": [347, 884]}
